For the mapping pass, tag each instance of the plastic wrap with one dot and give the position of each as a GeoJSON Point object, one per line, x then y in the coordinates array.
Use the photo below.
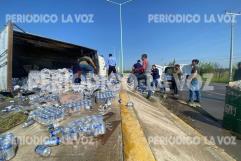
{"type": "Point", "coordinates": [47, 115]}
{"type": "Point", "coordinates": [90, 125]}
{"type": "Point", "coordinates": [8, 145]}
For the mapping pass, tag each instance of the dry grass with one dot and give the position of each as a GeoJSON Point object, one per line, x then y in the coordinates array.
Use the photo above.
{"type": "Point", "coordinates": [11, 121]}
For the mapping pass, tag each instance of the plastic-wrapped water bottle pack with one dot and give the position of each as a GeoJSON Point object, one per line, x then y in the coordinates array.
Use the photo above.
{"type": "Point", "coordinates": [61, 81]}
{"type": "Point", "coordinates": [52, 87]}
{"type": "Point", "coordinates": [38, 98]}
{"type": "Point", "coordinates": [77, 88]}
{"type": "Point", "coordinates": [47, 115]}
{"type": "Point", "coordinates": [114, 86]}
{"type": "Point", "coordinates": [22, 82]}
{"type": "Point", "coordinates": [104, 84]}
{"type": "Point", "coordinates": [43, 150]}
{"type": "Point", "coordinates": [34, 80]}
{"type": "Point", "coordinates": [105, 108]}
{"type": "Point", "coordinates": [54, 81]}
{"type": "Point", "coordinates": [52, 114]}
{"type": "Point", "coordinates": [8, 145]}
{"type": "Point", "coordinates": [77, 106]}
{"type": "Point", "coordinates": [50, 97]}
{"type": "Point", "coordinates": [93, 125]}
{"type": "Point", "coordinates": [88, 89]}
{"type": "Point", "coordinates": [103, 97]}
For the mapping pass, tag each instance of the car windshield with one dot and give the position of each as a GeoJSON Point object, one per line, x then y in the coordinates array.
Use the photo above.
{"type": "Point", "coordinates": [169, 70]}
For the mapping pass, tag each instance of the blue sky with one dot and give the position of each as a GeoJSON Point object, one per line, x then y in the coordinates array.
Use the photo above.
{"type": "Point", "coordinates": [161, 41]}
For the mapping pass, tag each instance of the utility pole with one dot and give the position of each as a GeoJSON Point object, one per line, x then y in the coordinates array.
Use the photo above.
{"type": "Point", "coordinates": [121, 30]}
{"type": "Point", "coordinates": [233, 15]}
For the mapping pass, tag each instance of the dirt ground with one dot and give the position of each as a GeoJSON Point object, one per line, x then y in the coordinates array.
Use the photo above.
{"type": "Point", "coordinates": [106, 148]}
{"type": "Point", "coordinates": [168, 136]}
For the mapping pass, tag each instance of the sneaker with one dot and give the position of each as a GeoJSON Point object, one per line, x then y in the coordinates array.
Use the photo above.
{"type": "Point", "coordinates": [192, 104]}
{"type": "Point", "coordinates": [197, 104]}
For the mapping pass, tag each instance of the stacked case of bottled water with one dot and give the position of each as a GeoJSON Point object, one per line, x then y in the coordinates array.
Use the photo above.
{"type": "Point", "coordinates": [38, 98]}
{"type": "Point", "coordinates": [45, 77]}
{"type": "Point", "coordinates": [34, 80]}
{"type": "Point", "coordinates": [47, 115]}
{"type": "Point", "coordinates": [105, 96]}
{"type": "Point", "coordinates": [93, 125]}
{"type": "Point", "coordinates": [71, 107]}
{"type": "Point", "coordinates": [54, 81]}
{"type": "Point", "coordinates": [61, 80]}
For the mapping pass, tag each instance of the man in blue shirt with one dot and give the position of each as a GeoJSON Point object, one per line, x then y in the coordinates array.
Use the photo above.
{"type": "Point", "coordinates": [111, 65]}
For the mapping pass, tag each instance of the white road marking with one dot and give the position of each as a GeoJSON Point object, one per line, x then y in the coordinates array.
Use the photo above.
{"type": "Point", "coordinates": [221, 94]}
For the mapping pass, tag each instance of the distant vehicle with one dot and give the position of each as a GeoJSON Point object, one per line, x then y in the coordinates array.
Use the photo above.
{"type": "Point", "coordinates": [166, 74]}
{"type": "Point", "coordinates": [167, 71]}
{"type": "Point", "coordinates": [165, 83]}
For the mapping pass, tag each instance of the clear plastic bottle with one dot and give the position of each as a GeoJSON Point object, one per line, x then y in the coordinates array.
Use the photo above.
{"type": "Point", "coordinates": [7, 145]}
{"type": "Point", "coordinates": [43, 150]}
{"type": "Point", "coordinates": [53, 141]}
{"type": "Point", "coordinates": [28, 123]}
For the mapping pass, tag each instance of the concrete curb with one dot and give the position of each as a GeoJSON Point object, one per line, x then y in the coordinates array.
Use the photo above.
{"type": "Point", "coordinates": [136, 147]}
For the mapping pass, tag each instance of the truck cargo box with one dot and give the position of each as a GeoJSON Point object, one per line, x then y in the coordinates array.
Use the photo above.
{"type": "Point", "coordinates": [21, 52]}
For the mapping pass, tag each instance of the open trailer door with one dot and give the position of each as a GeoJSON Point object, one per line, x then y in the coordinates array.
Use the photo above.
{"type": "Point", "coordinates": [6, 41]}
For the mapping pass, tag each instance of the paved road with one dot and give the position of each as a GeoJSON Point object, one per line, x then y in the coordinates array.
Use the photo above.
{"type": "Point", "coordinates": [213, 104]}
{"type": "Point", "coordinates": [213, 101]}
{"type": "Point", "coordinates": [160, 125]}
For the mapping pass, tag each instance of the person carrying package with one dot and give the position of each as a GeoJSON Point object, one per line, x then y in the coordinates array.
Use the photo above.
{"type": "Point", "coordinates": [237, 73]}
{"type": "Point", "coordinates": [155, 76]}
{"type": "Point", "coordinates": [194, 89]}
{"type": "Point", "coordinates": [86, 65]}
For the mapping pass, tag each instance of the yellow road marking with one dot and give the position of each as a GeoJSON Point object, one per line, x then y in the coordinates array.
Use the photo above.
{"type": "Point", "coordinates": [136, 147]}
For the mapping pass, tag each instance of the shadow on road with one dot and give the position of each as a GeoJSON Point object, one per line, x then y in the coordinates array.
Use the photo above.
{"type": "Point", "coordinates": [196, 116]}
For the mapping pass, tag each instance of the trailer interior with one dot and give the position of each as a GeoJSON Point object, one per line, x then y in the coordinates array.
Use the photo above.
{"type": "Point", "coordinates": [31, 52]}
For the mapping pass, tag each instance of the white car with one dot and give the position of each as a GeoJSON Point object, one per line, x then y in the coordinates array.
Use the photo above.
{"type": "Point", "coordinates": [166, 74]}
{"type": "Point", "coordinates": [166, 71]}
